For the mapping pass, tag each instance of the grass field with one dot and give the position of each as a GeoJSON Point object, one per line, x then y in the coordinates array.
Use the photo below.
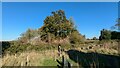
{"type": "Point", "coordinates": [48, 57]}
{"type": "Point", "coordinates": [30, 59]}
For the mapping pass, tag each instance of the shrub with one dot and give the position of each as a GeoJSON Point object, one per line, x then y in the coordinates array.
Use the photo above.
{"type": "Point", "coordinates": [76, 38]}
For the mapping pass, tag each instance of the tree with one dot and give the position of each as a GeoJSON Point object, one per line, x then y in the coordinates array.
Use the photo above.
{"type": "Point", "coordinates": [29, 34]}
{"type": "Point", "coordinates": [116, 27]}
{"type": "Point", "coordinates": [105, 35]}
{"type": "Point", "coordinates": [115, 30]}
{"type": "Point", "coordinates": [115, 35]}
{"type": "Point", "coordinates": [57, 25]}
{"type": "Point", "coordinates": [94, 38]}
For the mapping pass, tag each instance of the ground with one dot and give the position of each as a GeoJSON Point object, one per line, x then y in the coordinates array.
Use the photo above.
{"type": "Point", "coordinates": [49, 57]}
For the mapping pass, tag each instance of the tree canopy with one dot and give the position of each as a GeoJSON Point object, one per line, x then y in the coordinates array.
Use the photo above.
{"type": "Point", "coordinates": [57, 24]}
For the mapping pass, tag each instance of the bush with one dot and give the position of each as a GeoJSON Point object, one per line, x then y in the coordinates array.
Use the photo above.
{"type": "Point", "coordinates": [16, 47]}
{"type": "Point", "coordinates": [105, 35]}
{"type": "Point", "coordinates": [76, 38]}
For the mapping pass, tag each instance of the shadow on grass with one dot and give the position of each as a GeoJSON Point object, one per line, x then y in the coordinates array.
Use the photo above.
{"type": "Point", "coordinates": [94, 60]}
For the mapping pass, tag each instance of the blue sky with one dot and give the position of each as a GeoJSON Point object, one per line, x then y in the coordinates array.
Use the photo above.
{"type": "Point", "coordinates": [89, 17]}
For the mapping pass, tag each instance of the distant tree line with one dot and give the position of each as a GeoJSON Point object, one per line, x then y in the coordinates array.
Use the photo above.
{"type": "Point", "coordinates": [109, 35]}
{"type": "Point", "coordinates": [114, 33]}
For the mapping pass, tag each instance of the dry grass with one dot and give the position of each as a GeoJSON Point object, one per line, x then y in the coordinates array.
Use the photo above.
{"type": "Point", "coordinates": [48, 57]}
{"type": "Point", "coordinates": [32, 58]}
{"type": "Point", "coordinates": [44, 58]}
{"type": "Point", "coordinates": [98, 49]}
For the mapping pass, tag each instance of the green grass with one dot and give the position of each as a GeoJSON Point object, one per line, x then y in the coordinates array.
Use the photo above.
{"type": "Point", "coordinates": [49, 62]}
